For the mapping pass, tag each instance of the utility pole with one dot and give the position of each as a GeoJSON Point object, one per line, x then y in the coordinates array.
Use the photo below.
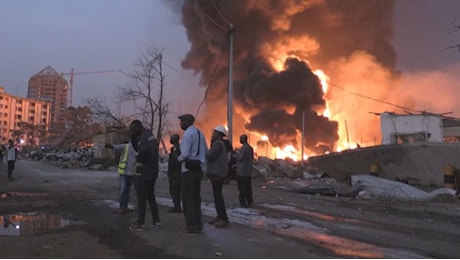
{"type": "Point", "coordinates": [230, 86]}
{"type": "Point", "coordinates": [71, 87]}
{"type": "Point", "coordinates": [303, 139]}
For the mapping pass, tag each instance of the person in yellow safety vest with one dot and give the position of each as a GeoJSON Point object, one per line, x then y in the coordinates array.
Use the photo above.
{"type": "Point", "coordinates": [126, 169]}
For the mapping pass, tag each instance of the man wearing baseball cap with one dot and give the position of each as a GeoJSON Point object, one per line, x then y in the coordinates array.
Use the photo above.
{"type": "Point", "coordinates": [193, 159]}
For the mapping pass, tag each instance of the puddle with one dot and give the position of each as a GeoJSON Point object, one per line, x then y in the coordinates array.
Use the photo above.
{"type": "Point", "coordinates": [31, 223]}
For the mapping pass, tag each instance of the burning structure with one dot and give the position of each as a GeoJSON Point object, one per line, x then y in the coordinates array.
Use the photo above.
{"type": "Point", "coordinates": [286, 55]}
{"type": "Point", "coordinates": [416, 149]}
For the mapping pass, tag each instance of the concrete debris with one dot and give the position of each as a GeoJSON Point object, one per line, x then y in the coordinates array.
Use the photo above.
{"type": "Point", "coordinates": [393, 189]}
{"type": "Point", "coordinates": [284, 174]}
{"type": "Point", "coordinates": [321, 186]}
{"type": "Point", "coordinates": [75, 158]}
{"type": "Point", "coordinates": [363, 195]}
{"type": "Point", "coordinates": [278, 168]}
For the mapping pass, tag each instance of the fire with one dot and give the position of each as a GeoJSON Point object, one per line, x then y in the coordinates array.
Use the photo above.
{"type": "Point", "coordinates": [289, 151]}
{"type": "Point", "coordinates": [294, 47]}
{"type": "Point", "coordinates": [298, 37]}
{"type": "Point", "coordinates": [295, 153]}
{"type": "Point", "coordinates": [301, 48]}
{"type": "Point", "coordinates": [324, 79]}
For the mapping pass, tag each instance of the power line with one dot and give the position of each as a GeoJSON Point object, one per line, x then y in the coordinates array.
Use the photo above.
{"type": "Point", "coordinates": [361, 95]}
{"type": "Point", "coordinates": [373, 99]}
{"type": "Point", "coordinates": [209, 17]}
{"type": "Point", "coordinates": [209, 84]}
{"type": "Point", "coordinates": [221, 15]}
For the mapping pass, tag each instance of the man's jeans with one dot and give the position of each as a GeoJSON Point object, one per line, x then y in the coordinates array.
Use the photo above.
{"type": "Point", "coordinates": [126, 182]}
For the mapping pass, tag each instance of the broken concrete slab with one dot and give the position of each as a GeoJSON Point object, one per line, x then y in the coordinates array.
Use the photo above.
{"type": "Point", "coordinates": [392, 189]}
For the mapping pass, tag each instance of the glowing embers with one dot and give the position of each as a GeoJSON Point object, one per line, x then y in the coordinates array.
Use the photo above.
{"type": "Point", "coordinates": [30, 223]}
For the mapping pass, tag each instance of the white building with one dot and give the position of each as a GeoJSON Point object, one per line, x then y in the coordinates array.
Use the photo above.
{"type": "Point", "coordinates": [397, 129]}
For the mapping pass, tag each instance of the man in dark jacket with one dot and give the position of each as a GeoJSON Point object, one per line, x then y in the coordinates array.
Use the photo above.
{"type": "Point", "coordinates": [231, 161]}
{"type": "Point", "coordinates": [216, 160]}
{"type": "Point", "coordinates": [174, 174]}
{"type": "Point", "coordinates": [146, 173]}
{"type": "Point", "coordinates": [244, 161]}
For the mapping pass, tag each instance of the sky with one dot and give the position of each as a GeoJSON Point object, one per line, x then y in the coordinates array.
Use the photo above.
{"type": "Point", "coordinates": [100, 35]}
{"type": "Point", "coordinates": [87, 36]}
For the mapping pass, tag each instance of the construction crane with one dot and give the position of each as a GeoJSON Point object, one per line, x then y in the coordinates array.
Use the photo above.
{"type": "Point", "coordinates": [72, 73]}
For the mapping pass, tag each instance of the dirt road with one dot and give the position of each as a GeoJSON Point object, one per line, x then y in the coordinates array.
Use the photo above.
{"type": "Point", "coordinates": [68, 213]}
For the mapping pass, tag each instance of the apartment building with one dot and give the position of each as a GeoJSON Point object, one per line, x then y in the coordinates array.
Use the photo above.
{"type": "Point", "coordinates": [23, 118]}
{"type": "Point", "coordinates": [48, 85]}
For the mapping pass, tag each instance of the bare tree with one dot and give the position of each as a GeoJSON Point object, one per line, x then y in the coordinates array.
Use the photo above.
{"type": "Point", "coordinates": [33, 133]}
{"type": "Point", "coordinates": [80, 127]}
{"type": "Point", "coordinates": [456, 29]}
{"type": "Point", "coordinates": [148, 91]}
{"type": "Point", "coordinates": [111, 119]}
{"type": "Point", "coordinates": [104, 115]}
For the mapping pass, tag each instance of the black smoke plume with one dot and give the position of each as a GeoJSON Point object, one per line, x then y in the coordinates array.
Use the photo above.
{"type": "Point", "coordinates": [276, 100]}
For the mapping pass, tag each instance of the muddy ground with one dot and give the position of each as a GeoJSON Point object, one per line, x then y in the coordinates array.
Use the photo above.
{"type": "Point", "coordinates": [71, 213]}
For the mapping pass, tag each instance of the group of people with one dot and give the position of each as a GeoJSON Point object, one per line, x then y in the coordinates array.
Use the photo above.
{"type": "Point", "coordinates": [11, 153]}
{"type": "Point", "coordinates": [138, 164]}
{"type": "Point", "coordinates": [189, 160]}
{"type": "Point", "coordinates": [195, 159]}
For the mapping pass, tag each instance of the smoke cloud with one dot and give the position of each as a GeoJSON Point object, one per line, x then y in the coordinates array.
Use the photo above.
{"type": "Point", "coordinates": [278, 45]}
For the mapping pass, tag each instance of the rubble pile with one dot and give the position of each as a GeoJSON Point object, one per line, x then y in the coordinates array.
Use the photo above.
{"type": "Point", "coordinates": [284, 174]}
{"type": "Point", "coordinates": [278, 168]}
{"type": "Point", "coordinates": [67, 158]}
{"type": "Point", "coordinates": [288, 175]}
